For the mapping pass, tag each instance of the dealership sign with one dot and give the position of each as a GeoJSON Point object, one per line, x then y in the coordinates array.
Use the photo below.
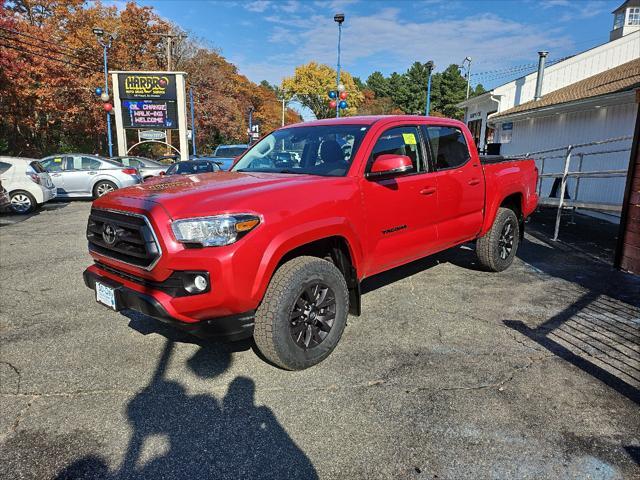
{"type": "Point", "coordinates": [152, 135]}
{"type": "Point", "coordinates": [149, 114]}
{"type": "Point", "coordinates": [147, 86]}
{"type": "Point", "coordinates": [152, 102]}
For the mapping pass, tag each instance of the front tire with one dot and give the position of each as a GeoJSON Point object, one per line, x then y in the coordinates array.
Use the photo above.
{"type": "Point", "coordinates": [22, 202]}
{"type": "Point", "coordinates": [303, 313]}
{"type": "Point", "coordinates": [497, 248]}
{"type": "Point", "coordinates": [103, 187]}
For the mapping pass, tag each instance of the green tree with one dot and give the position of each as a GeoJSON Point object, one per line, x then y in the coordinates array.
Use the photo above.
{"type": "Point", "coordinates": [379, 85]}
{"type": "Point", "coordinates": [449, 89]}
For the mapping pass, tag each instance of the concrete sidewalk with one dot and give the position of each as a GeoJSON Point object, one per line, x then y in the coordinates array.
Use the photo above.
{"type": "Point", "coordinates": [450, 373]}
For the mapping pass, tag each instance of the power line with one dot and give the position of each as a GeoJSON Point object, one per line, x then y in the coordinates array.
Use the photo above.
{"type": "Point", "coordinates": [39, 54]}
{"type": "Point", "coordinates": [40, 47]}
{"type": "Point", "coordinates": [33, 37]}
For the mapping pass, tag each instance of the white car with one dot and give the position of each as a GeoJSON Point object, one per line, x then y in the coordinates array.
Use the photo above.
{"type": "Point", "coordinates": [28, 183]}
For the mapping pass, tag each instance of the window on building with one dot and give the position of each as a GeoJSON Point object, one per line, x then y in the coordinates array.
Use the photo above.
{"type": "Point", "coordinates": [634, 16]}
{"type": "Point", "coordinates": [618, 20]}
{"type": "Point", "coordinates": [476, 127]}
{"type": "Point", "coordinates": [448, 147]}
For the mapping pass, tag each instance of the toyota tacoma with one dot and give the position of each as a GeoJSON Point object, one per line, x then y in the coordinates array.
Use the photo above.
{"type": "Point", "coordinates": [277, 247]}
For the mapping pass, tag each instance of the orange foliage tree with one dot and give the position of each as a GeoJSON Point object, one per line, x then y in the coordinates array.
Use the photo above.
{"type": "Point", "coordinates": [51, 63]}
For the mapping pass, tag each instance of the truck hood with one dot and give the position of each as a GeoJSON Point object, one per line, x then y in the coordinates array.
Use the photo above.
{"type": "Point", "coordinates": [183, 196]}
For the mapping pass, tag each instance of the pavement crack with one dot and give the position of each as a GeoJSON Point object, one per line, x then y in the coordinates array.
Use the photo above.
{"type": "Point", "coordinates": [19, 417]}
{"type": "Point", "coordinates": [17, 371]}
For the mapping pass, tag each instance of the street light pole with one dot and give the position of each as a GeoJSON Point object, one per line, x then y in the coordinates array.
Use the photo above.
{"type": "Point", "coordinates": [468, 60]}
{"type": "Point", "coordinates": [100, 35]}
{"type": "Point", "coordinates": [338, 18]}
{"type": "Point", "coordinates": [430, 66]}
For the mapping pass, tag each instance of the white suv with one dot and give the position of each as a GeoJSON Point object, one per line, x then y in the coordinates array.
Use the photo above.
{"type": "Point", "coordinates": [27, 182]}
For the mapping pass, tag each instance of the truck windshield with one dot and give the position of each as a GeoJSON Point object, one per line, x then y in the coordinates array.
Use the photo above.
{"type": "Point", "coordinates": [324, 150]}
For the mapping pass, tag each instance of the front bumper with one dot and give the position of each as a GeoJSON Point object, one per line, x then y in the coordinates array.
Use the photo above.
{"type": "Point", "coordinates": [233, 327]}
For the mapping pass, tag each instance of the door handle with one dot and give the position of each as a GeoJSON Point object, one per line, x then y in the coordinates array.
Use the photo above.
{"type": "Point", "coordinates": [55, 174]}
{"type": "Point", "coordinates": [93, 173]}
{"type": "Point", "coordinates": [428, 191]}
{"type": "Point", "coordinates": [474, 181]}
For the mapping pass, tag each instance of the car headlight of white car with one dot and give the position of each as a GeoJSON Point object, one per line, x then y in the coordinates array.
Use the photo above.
{"type": "Point", "coordinates": [214, 231]}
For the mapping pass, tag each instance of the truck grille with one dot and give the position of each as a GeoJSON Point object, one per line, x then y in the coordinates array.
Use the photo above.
{"type": "Point", "coordinates": [126, 237]}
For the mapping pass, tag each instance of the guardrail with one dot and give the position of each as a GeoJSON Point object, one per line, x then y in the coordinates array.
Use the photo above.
{"type": "Point", "coordinates": [567, 152]}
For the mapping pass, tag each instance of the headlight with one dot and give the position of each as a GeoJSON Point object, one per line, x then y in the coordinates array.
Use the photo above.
{"type": "Point", "coordinates": [214, 231]}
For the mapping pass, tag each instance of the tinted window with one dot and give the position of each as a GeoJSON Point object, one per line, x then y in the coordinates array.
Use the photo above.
{"type": "Point", "coordinates": [229, 151]}
{"type": "Point", "coordinates": [448, 147]}
{"type": "Point", "coordinates": [400, 141]}
{"type": "Point", "coordinates": [188, 168]}
{"type": "Point", "coordinates": [37, 167]}
{"type": "Point", "coordinates": [53, 164]}
{"type": "Point", "coordinates": [4, 167]}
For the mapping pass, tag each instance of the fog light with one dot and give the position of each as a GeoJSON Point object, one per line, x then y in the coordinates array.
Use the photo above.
{"type": "Point", "coordinates": [200, 283]}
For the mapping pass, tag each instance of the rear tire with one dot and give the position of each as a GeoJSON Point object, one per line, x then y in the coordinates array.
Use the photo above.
{"type": "Point", "coordinates": [103, 187]}
{"type": "Point", "coordinates": [22, 202]}
{"type": "Point", "coordinates": [497, 248]}
{"type": "Point", "coordinates": [303, 313]}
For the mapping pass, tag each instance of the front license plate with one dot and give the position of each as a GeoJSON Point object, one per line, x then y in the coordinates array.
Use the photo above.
{"type": "Point", "coordinates": [106, 295]}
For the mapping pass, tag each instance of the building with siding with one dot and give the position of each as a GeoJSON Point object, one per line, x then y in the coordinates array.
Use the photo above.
{"type": "Point", "coordinates": [587, 97]}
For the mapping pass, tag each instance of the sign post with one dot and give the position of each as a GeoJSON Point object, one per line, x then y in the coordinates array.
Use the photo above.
{"type": "Point", "coordinates": [153, 101]}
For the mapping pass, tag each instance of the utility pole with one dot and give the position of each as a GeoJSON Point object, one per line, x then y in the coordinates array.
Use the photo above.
{"type": "Point", "coordinates": [169, 36]}
{"type": "Point", "coordinates": [430, 66]}
{"type": "Point", "coordinates": [193, 122]}
{"type": "Point", "coordinates": [338, 18]}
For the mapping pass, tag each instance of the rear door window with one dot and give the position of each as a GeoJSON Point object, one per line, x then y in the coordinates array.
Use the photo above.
{"type": "Point", "coordinates": [448, 146]}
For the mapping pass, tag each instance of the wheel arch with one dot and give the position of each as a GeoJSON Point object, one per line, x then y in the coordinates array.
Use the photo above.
{"type": "Point", "coordinates": [514, 200]}
{"type": "Point", "coordinates": [336, 247]}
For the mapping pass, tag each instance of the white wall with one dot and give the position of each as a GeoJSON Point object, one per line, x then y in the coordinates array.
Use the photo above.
{"type": "Point", "coordinates": [543, 133]}
{"type": "Point", "coordinates": [571, 70]}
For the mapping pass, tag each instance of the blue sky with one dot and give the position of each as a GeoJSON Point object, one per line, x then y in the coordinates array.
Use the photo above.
{"type": "Point", "coordinates": [267, 39]}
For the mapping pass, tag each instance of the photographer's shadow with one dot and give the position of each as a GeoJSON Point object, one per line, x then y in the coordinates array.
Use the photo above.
{"type": "Point", "coordinates": [204, 437]}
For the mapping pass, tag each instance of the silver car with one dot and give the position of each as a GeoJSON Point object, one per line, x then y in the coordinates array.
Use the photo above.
{"type": "Point", "coordinates": [148, 168]}
{"type": "Point", "coordinates": [78, 175]}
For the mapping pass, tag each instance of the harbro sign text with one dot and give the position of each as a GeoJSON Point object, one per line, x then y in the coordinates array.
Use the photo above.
{"type": "Point", "coordinates": [145, 86]}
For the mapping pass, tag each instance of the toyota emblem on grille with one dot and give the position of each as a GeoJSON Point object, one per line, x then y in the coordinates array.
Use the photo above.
{"type": "Point", "coordinates": [109, 234]}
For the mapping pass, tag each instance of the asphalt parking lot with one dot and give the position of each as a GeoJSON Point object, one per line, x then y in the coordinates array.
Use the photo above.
{"type": "Point", "coordinates": [450, 373]}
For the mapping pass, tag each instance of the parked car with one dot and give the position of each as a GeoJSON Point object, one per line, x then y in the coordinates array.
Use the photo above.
{"type": "Point", "coordinates": [77, 175]}
{"type": "Point", "coordinates": [148, 168]}
{"type": "Point", "coordinates": [168, 159]}
{"type": "Point", "coordinates": [190, 167]}
{"type": "Point", "coordinates": [225, 155]}
{"type": "Point", "coordinates": [28, 183]}
{"type": "Point", "coordinates": [5, 201]}
{"type": "Point", "coordinates": [280, 253]}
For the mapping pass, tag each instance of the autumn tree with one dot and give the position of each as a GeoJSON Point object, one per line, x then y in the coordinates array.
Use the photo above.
{"type": "Point", "coordinates": [312, 82]}
{"type": "Point", "coordinates": [50, 64]}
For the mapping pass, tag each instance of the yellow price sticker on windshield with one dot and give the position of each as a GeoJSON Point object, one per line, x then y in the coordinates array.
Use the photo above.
{"type": "Point", "coordinates": [57, 160]}
{"type": "Point", "coordinates": [409, 139]}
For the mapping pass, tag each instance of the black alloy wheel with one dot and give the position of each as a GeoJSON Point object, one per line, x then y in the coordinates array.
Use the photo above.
{"type": "Point", "coordinates": [313, 315]}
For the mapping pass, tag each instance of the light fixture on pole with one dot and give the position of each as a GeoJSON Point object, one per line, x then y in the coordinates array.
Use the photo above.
{"type": "Point", "coordinates": [430, 66]}
{"type": "Point", "coordinates": [105, 39]}
{"type": "Point", "coordinates": [339, 19]}
{"type": "Point", "coordinates": [468, 75]}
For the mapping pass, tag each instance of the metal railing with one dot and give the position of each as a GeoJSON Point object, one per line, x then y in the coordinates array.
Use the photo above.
{"type": "Point", "coordinates": [567, 153]}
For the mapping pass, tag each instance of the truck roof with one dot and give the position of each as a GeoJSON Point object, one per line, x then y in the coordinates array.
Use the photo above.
{"type": "Point", "coordinates": [369, 120]}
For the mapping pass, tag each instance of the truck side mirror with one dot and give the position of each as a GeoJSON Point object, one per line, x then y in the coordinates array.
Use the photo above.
{"type": "Point", "coordinates": [389, 164]}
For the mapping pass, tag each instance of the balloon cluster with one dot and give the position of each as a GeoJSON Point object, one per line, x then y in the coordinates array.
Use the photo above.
{"type": "Point", "coordinates": [104, 96]}
{"type": "Point", "coordinates": [339, 98]}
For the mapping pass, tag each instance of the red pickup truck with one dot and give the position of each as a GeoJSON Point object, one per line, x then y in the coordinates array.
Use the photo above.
{"type": "Point", "coordinates": [277, 247]}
